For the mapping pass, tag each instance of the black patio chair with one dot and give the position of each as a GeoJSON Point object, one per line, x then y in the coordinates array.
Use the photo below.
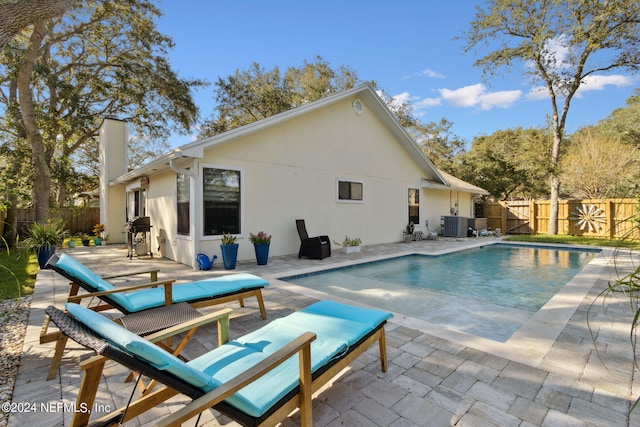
{"type": "Point", "coordinates": [318, 247]}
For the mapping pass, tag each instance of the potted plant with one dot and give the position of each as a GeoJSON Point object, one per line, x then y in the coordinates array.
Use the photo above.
{"type": "Point", "coordinates": [98, 229]}
{"type": "Point", "coordinates": [84, 238]}
{"type": "Point", "coordinates": [261, 242]}
{"type": "Point", "coordinates": [43, 239]}
{"type": "Point", "coordinates": [72, 241]}
{"type": "Point", "coordinates": [229, 249]}
{"type": "Point", "coordinates": [350, 245]}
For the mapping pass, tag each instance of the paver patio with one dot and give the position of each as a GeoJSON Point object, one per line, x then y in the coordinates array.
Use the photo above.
{"type": "Point", "coordinates": [431, 381]}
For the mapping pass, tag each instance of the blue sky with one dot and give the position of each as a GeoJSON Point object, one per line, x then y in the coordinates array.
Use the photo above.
{"type": "Point", "coordinates": [407, 47]}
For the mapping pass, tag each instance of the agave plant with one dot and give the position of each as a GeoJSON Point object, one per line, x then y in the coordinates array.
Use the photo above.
{"type": "Point", "coordinates": [41, 235]}
{"type": "Point", "coordinates": [43, 239]}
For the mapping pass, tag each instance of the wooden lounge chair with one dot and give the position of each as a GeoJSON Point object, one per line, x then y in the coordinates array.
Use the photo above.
{"type": "Point", "coordinates": [318, 247]}
{"type": "Point", "coordinates": [253, 380]}
{"type": "Point", "coordinates": [138, 298]}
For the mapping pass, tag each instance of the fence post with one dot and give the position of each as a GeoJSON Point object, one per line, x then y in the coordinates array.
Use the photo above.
{"type": "Point", "coordinates": [609, 212]}
{"type": "Point", "coordinates": [533, 216]}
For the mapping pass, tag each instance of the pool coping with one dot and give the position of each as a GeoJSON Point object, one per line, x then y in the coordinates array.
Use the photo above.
{"type": "Point", "coordinates": [529, 344]}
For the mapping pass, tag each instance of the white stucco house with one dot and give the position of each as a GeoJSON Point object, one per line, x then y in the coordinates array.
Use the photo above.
{"type": "Point", "coordinates": [342, 163]}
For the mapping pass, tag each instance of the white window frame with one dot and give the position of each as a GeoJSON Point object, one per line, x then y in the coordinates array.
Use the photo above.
{"type": "Point", "coordinates": [420, 197]}
{"type": "Point", "coordinates": [356, 181]}
{"type": "Point", "coordinates": [201, 200]}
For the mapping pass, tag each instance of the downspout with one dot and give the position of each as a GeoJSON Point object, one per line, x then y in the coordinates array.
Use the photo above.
{"type": "Point", "coordinates": [178, 169]}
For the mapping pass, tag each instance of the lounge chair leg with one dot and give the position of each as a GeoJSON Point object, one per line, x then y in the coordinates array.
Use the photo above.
{"type": "Point", "coordinates": [382, 344]}
{"type": "Point", "coordinates": [306, 387]}
{"type": "Point", "coordinates": [91, 373]}
{"type": "Point", "coordinates": [61, 343]}
{"type": "Point", "coordinates": [263, 311]}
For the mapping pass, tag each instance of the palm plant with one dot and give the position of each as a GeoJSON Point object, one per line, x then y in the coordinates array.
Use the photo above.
{"type": "Point", "coordinates": [43, 239]}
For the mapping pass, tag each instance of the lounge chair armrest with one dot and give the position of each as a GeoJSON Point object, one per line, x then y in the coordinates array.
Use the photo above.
{"type": "Point", "coordinates": [222, 316]}
{"type": "Point", "coordinates": [312, 240]}
{"type": "Point", "coordinates": [301, 345]}
{"type": "Point", "coordinates": [166, 283]}
{"type": "Point", "coordinates": [153, 274]}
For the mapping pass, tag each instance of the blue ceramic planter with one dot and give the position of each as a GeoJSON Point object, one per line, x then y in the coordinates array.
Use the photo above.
{"type": "Point", "coordinates": [262, 253]}
{"type": "Point", "coordinates": [44, 253]}
{"type": "Point", "coordinates": [229, 255]}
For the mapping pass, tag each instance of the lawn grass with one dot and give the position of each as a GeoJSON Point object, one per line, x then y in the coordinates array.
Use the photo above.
{"type": "Point", "coordinates": [17, 273]}
{"type": "Point", "coordinates": [574, 240]}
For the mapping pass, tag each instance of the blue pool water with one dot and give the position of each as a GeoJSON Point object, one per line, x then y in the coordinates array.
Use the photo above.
{"type": "Point", "coordinates": [489, 291]}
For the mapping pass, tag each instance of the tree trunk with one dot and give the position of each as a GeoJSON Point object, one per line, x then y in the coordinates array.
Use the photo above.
{"type": "Point", "coordinates": [11, 221]}
{"type": "Point", "coordinates": [555, 181]}
{"type": "Point", "coordinates": [555, 195]}
{"type": "Point", "coordinates": [19, 14]}
{"type": "Point", "coordinates": [42, 177]}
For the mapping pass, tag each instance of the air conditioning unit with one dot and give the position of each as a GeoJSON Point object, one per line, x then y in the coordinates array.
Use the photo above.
{"type": "Point", "coordinates": [478, 223]}
{"type": "Point", "coordinates": [454, 226]}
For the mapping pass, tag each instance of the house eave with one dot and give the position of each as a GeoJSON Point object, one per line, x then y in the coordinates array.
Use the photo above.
{"type": "Point", "coordinates": [158, 165]}
{"type": "Point", "coordinates": [452, 187]}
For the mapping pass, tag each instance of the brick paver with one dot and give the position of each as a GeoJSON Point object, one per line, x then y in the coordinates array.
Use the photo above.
{"type": "Point", "coordinates": [584, 379]}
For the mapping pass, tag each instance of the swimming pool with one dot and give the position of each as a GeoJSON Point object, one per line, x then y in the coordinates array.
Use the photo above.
{"type": "Point", "coordinates": [488, 291]}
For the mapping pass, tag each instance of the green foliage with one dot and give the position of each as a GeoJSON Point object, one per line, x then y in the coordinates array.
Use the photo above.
{"type": "Point", "coordinates": [260, 238]}
{"type": "Point", "coordinates": [599, 166]}
{"type": "Point", "coordinates": [254, 94]}
{"type": "Point", "coordinates": [228, 239]}
{"type": "Point", "coordinates": [559, 44]}
{"type": "Point", "coordinates": [624, 123]}
{"type": "Point", "coordinates": [511, 163]}
{"type": "Point", "coordinates": [17, 274]}
{"type": "Point", "coordinates": [100, 59]}
{"type": "Point", "coordinates": [51, 233]}
{"type": "Point", "coordinates": [348, 241]}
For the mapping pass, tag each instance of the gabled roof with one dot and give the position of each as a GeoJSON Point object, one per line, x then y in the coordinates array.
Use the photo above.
{"type": "Point", "coordinates": [453, 184]}
{"type": "Point", "coordinates": [366, 92]}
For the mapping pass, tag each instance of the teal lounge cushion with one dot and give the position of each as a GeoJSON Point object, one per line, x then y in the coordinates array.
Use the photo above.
{"type": "Point", "coordinates": [139, 347]}
{"type": "Point", "coordinates": [82, 273]}
{"type": "Point", "coordinates": [76, 269]}
{"type": "Point", "coordinates": [337, 326]}
{"type": "Point", "coordinates": [195, 291]}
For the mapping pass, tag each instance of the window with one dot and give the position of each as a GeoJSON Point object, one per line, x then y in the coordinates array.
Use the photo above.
{"type": "Point", "coordinates": [221, 200]}
{"type": "Point", "coordinates": [184, 199]}
{"type": "Point", "coordinates": [414, 205]}
{"type": "Point", "coordinates": [350, 190]}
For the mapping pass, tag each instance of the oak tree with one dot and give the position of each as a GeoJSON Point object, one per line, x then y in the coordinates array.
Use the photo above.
{"type": "Point", "coordinates": [560, 44]}
{"type": "Point", "coordinates": [61, 77]}
{"type": "Point", "coordinates": [16, 15]}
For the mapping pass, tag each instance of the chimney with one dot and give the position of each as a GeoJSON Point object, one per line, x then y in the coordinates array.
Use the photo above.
{"type": "Point", "coordinates": [113, 164]}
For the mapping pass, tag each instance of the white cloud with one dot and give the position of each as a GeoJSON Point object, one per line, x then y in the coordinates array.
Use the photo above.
{"type": "Point", "coordinates": [594, 82]}
{"type": "Point", "coordinates": [403, 97]}
{"type": "Point", "coordinates": [500, 99]}
{"type": "Point", "coordinates": [427, 102]}
{"type": "Point", "coordinates": [589, 83]}
{"type": "Point", "coordinates": [537, 93]}
{"type": "Point", "coordinates": [558, 51]}
{"type": "Point", "coordinates": [427, 72]}
{"type": "Point", "coordinates": [432, 74]}
{"type": "Point", "coordinates": [477, 95]}
{"type": "Point", "coordinates": [467, 96]}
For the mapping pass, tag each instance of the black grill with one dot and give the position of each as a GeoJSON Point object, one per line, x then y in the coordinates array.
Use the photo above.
{"type": "Point", "coordinates": [137, 230]}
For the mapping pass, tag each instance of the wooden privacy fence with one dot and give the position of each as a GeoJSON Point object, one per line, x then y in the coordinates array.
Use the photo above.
{"type": "Point", "coordinates": [606, 218]}
{"type": "Point", "coordinates": [77, 220]}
